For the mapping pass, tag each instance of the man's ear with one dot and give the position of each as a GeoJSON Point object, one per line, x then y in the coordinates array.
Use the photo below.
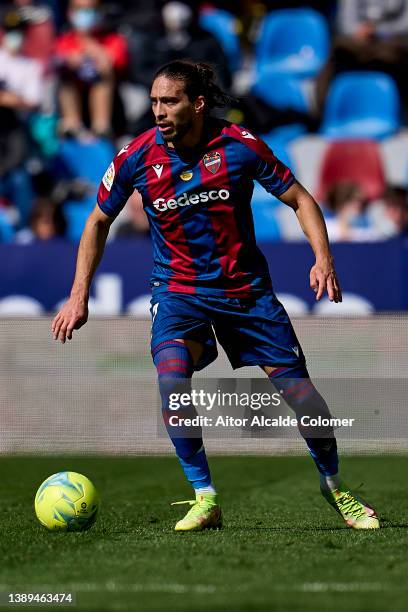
{"type": "Point", "coordinates": [199, 104]}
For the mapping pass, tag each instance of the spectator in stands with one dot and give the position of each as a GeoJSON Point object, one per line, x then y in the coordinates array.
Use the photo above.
{"type": "Point", "coordinates": [90, 59]}
{"type": "Point", "coordinates": [20, 92]}
{"type": "Point", "coordinates": [177, 36]}
{"type": "Point", "coordinates": [180, 37]}
{"type": "Point", "coordinates": [38, 44]}
{"type": "Point", "coordinates": [20, 77]}
{"type": "Point", "coordinates": [46, 223]}
{"type": "Point", "coordinates": [396, 209]}
{"type": "Point", "coordinates": [372, 35]}
{"type": "Point", "coordinates": [345, 214]}
{"type": "Point", "coordinates": [39, 33]}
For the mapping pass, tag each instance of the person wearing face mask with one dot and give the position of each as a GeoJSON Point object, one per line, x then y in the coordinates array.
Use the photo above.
{"type": "Point", "coordinates": [21, 83]}
{"type": "Point", "coordinates": [89, 60]}
{"type": "Point", "coordinates": [20, 77]}
{"type": "Point", "coordinates": [39, 35]}
{"type": "Point", "coordinates": [177, 35]}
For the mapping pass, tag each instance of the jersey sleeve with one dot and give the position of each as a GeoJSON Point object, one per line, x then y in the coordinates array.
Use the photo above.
{"type": "Point", "coordinates": [270, 172]}
{"type": "Point", "coordinates": [267, 169]}
{"type": "Point", "coordinates": [116, 186]}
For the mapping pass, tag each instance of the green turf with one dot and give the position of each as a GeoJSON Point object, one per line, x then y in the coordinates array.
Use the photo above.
{"type": "Point", "coordinates": [282, 548]}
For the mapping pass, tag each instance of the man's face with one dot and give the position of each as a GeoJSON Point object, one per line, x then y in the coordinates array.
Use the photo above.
{"type": "Point", "coordinates": [175, 114]}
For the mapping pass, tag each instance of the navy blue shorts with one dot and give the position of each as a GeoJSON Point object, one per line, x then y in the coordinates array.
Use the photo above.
{"type": "Point", "coordinates": [254, 331]}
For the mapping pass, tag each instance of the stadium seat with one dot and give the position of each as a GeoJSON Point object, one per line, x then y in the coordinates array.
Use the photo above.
{"type": "Point", "coordinates": [224, 27]}
{"type": "Point", "coordinates": [76, 214]}
{"type": "Point", "coordinates": [265, 205]}
{"type": "Point", "coordinates": [6, 229]}
{"type": "Point", "coordinates": [357, 161]}
{"type": "Point", "coordinates": [87, 159]}
{"type": "Point", "coordinates": [361, 105]}
{"type": "Point", "coordinates": [293, 42]}
{"type": "Point", "coordinates": [281, 92]}
{"type": "Point", "coordinates": [264, 212]}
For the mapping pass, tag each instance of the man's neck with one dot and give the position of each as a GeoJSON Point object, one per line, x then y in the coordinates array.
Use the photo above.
{"type": "Point", "coordinates": [193, 138]}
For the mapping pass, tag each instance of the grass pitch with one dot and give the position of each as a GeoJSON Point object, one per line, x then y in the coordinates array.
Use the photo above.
{"type": "Point", "coordinates": [282, 548]}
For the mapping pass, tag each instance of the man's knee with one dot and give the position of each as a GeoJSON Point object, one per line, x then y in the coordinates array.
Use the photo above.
{"type": "Point", "coordinates": [172, 359]}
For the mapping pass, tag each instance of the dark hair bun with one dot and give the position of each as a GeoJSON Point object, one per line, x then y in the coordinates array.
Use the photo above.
{"type": "Point", "coordinates": [206, 72]}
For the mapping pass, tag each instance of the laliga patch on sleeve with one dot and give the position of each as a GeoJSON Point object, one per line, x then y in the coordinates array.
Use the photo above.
{"type": "Point", "coordinates": [108, 177]}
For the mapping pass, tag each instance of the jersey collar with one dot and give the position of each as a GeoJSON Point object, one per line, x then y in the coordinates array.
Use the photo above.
{"type": "Point", "coordinates": [159, 137]}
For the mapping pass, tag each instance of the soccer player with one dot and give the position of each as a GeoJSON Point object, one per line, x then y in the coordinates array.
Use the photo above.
{"type": "Point", "coordinates": [195, 174]}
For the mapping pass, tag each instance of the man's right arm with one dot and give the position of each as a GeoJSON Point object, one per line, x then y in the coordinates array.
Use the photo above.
{"type": "Point", "coordinates": [74, 313]}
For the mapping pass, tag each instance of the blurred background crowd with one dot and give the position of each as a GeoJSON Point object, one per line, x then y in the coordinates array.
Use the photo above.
{"type": "Point", "coordinates": [323, 82]}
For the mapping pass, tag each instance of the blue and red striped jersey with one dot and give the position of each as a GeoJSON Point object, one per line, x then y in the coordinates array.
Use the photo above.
{"type": "Point", "coordinates": [199, 207]}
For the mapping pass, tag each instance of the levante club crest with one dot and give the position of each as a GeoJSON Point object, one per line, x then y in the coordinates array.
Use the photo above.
{"type": "Point", "coordinates": [212, 162]}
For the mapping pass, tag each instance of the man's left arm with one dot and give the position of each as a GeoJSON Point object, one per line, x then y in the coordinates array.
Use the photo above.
{"type": "Point", "coordinates": [322, 275]}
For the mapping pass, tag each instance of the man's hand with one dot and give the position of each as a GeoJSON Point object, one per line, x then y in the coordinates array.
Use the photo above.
{"type": "Point", "coordinates": [323, 278]}
{"type": "Point", "coordinates": [99, 55]}
{"type": "Point", "coordinates": [322, 275]}
{"type": "Point", "coordinates": [72, 316]}
{"type": "Point", "coordinates": [74, 60]}
{"type": "Point", "coordinates": [74, 313]}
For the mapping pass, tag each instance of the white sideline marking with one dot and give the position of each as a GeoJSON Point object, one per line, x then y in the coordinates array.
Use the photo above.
{"type": "Point", "coordinates": [114, 587]}
{"type": "Point", "coordinates": [323, 587]}
{"type": "Point", "coordinates": [177, 588]}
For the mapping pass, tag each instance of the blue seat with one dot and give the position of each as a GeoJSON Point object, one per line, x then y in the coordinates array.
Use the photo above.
{"type": "Point", "coordinates": [264, 208]}
{"type": "Point", "coordinates": [76, 214]}
{"type": "Point", "coordinates": [265, 205]}
{"type": "Point", "coordinates": [292, 42]}
{"type": "Point", "coordinates": [281, 92]}
{"type": "Point", "coordinates": [85, 159]}
{"type": "Point", "coordinates": [361, 105]}
{"type": "Point", "coordinates": [6, 229]}
{"type": "Point", "coordinates": [224, 28]}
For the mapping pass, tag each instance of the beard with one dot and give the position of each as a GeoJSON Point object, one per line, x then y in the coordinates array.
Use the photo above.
{"type": "Point", "coordinates": [178, 132]}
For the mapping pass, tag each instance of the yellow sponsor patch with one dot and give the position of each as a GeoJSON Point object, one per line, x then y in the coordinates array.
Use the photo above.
{"type": "Point", "coordinates": [186, 176]}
